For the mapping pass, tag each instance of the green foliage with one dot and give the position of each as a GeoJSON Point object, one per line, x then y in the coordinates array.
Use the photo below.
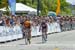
{"type": "Point", "coordinates": [65, 7]}
{"type": "Point", "coordinates": [48, 5]}
{"type": "Point", "coordinates": [45, 5]}
{"type": "Point", "coordinates": [3, 3]}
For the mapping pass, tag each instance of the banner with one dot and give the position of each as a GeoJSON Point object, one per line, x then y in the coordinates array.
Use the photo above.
{"type": "Point", "coordinates": [11, 33]}
{"type": "Point", "coordinates": [12, 5]}
{"type": "Point", "coordinates": [58, 7]}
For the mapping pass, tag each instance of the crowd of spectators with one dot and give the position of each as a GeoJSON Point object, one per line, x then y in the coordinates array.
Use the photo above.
{"type": "Point", "coordinates": [66, 22]}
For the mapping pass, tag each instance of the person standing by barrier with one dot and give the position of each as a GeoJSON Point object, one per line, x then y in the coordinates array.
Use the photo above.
{"type": "Point", "coordinates": [63, 23]}
{"type": "Point", "coordinates": [73, 23]}
{"type": "Point", "coordinates": [1, 22]}
{"type": "Point", "coordinates": [67, 24]}
{"type": "Point", "coordinates": [70, 22]}
{"type": "Point", "coordinates": [7, 22]}
{"type": "Point", "coordinates": [12, 20]}
{"type": "Point", "coordinates": [43, 28]}
{"type": "Point", "coordinates": [27, 31]}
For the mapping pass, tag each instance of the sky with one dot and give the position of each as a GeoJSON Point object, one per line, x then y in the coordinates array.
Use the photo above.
{"type": "Point", "coordinates": [71, 1]}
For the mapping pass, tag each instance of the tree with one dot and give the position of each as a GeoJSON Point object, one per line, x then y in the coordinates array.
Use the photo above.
{"type": "Point", "coordinates": [3, 3]}
{"type": "Point", "coordinates": [65, 7]}
{"type": "Point", "coordinates": [45, 5]}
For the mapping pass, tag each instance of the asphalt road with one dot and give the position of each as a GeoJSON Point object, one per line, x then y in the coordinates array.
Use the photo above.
{"type": "Point", "coordinates": [57, 41]}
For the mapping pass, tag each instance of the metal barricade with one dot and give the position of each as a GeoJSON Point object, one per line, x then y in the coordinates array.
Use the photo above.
{"type": "Point", "coordinates": [67, 26]}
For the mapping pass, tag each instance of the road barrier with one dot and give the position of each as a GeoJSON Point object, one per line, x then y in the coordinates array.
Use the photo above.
{"type": "Point", "coordinates": [11, 33]}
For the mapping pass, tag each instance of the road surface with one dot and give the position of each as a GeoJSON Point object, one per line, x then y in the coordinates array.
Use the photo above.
{"type": "Point", "coordinates": [57, 41]}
